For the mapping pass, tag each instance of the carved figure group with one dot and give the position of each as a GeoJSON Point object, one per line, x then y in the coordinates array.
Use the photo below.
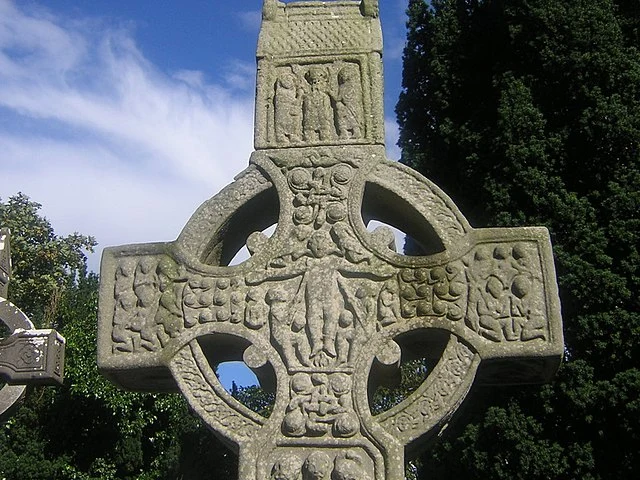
{"type": "Point", "coordinates": [136, 294]}
{"type": "Point", "coordinates": [318, 103]}
{"type": "Point", "coordinates": [501, 307]}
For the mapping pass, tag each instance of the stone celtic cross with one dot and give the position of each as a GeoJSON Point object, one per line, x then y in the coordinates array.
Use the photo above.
{"type": "Point", "coordinates": [324, 310]}
{"type": "Point", "coordinates": [27, 356]}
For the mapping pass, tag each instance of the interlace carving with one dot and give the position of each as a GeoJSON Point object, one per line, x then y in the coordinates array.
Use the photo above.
{"type": "Point", "coordinates": [324, 310]}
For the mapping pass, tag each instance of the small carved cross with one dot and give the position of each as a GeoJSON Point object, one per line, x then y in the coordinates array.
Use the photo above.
{"type": "Point", "coordinates": [27, 356]}
{"type": "Point", "coordinates": [325, 310]}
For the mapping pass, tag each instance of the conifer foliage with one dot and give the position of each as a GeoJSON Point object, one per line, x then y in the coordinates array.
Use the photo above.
{"type": "Point", "coordinates": [527, 112]}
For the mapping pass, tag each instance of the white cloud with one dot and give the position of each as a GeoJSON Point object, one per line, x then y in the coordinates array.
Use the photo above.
{"type": "Point", "coordinates": [392, 134]}
{"type": "Point", "coordinates": [116, 148]}
{"type": "Point", "coordinates": [250, 20]}
{"type": "Point", "coordinates": [241, 76]}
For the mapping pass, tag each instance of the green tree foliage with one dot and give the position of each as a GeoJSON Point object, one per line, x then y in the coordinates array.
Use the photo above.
{"type": "Point", "coordinates": [44, 264]}
{"type": "Point", "coordinates": [527, 112]}
{"type": "Point", "coordinates": [88, 429]}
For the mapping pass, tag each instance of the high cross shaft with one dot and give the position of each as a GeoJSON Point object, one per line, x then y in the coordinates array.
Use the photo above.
{"type": "Point", "coordinates": [325, 310]}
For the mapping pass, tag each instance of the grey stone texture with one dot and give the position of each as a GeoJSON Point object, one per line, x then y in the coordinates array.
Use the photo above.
{"type": "Point", "coordinates": [324, 310]}
{"type": "Point", "coordinates": [27, 356]}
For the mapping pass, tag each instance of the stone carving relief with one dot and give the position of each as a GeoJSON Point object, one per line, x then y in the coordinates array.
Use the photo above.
{"type": "Point", "coordinates": [506, 295]}
{"type": "Point", "coordinates": [156, 300]}
{"type": "Point", "coordinates": [343, 464]}
{"type": "Point", "coordinates": [323, 305]}
{"type": "Point", "coordinates": [321, 404]}
{"type": "Point", "coordinates": [439, 291]}
{"type": "Point", "coordinates": [316, 313]}
{"type": "Point", "coordinates": [497, 288]}
{"type": "Point", "coordinates": [425, 409]}
{"type": "Point", "coordinates": [315, 316]}
{"type": "Point", "coordinates": [215, 408]}
{"type": "Point", "coordinates": [317, 103]}
{"type": "Point", "coordinates": [136, 295]}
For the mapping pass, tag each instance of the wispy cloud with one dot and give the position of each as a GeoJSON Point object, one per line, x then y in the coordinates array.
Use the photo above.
{"type": "Point", "coordinates": [250, 20]}
{"type": "Point", "coordinates": [114, 145]}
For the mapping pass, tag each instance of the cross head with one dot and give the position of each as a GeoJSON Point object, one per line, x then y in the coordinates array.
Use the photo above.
{"type": "Point", "coordinates": [325, 310]}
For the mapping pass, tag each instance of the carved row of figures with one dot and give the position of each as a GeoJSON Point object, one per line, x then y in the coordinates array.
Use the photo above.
{"type": "Point", "coordinates": [317, 103]}
{"type": "Point", "coordinates": [328, 295]}
{"type": "Point", "coordinates": [318, 465]}
{"type": "Point", "coordinates": [314, 320]}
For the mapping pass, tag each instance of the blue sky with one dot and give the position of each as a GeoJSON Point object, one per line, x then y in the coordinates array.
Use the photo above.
{"type": "Point", "coordinates": [122, 116]}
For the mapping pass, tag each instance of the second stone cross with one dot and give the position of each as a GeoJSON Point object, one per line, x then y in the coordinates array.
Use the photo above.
{"type": "Point", "coordinates": [325, 310]}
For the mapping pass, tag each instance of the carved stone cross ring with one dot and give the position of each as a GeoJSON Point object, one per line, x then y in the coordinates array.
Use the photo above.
{"type": "Point", "coordinates": [325, 310]}
{"type": "Point", "coordinates": [27, 356]}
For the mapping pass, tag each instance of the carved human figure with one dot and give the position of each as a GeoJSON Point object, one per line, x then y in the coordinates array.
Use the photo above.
{"type": "Point", "coordinates": [288, 109]}
{"type": "Point", "coordinates": [145, 286]}
{"type": "Point", "coordinates": [345, 338]}
{"type": "Point", "coordinates": [286, 331]}
{"type": "Point", "coordinates": [494, 308]}
{"type": "Point", "coordinates": [348, 243]}
{"type": "Point", "coordinates": [171, 284]}
{"type": "Point", "coordinates": [320, 288]}
{"type": "Point", "coordinates": [317, 466]}
{"type": "Point", "coordinates": [323, 304]}
{"type": "Point", "coordinates": [317, 120]}
{"type": "Point", "coordinates": [280, 320]}
{"type": "Point", "coordinates": [349, 104]}
{"type": "Point", "coordinates": [363, 304]}
{"type": "Point", "coordinates": [255, 316]}
{"type": "Point", "coordinates": [531, 322]}
{"type": "Point", "coordinates": [125, 309]}
{"type": "Point", "coordinates": [389, 303]}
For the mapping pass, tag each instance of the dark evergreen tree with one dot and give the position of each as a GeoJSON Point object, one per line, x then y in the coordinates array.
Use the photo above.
{"type": "Point", "coordinates": [527, 112]}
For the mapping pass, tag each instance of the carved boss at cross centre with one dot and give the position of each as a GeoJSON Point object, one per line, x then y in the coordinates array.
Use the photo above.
{"type": "Point", "coordinates": [324, 310]}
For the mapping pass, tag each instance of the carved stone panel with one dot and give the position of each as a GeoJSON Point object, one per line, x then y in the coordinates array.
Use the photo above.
{"type": "Point", "coordinates": [317, 104]}
{"type": "Point", "coordinates": [319, 75]}
{"type": "Point", "coordinates": [325, 310]}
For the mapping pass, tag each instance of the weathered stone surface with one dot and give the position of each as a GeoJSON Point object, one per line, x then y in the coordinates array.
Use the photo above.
{"type": "Point", "coordinates": [5, 261]}
{"type": "Point", "coordinates": [324, 310]}
{"type": "Point", "coordinates": [27, 356]}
